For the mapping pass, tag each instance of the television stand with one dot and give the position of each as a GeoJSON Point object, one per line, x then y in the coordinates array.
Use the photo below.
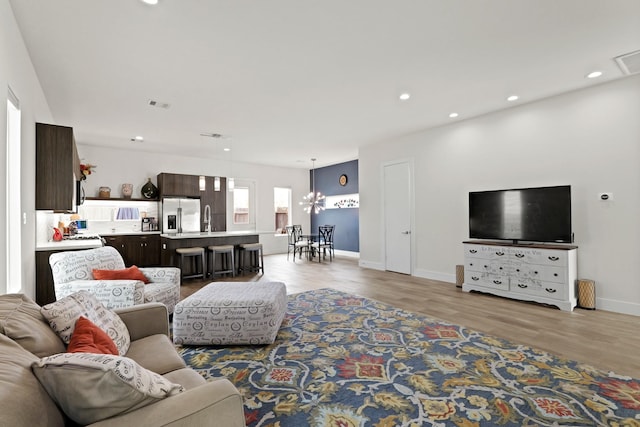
{"type": "Point", "coordinates": [532, 272]}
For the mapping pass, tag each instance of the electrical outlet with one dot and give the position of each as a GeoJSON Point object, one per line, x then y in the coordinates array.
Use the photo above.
{"type": "Point", "coordinates": [607, 197]}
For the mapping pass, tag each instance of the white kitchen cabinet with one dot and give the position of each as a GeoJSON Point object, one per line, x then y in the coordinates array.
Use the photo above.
{"type": "Point", "coordinates": [542, 273]}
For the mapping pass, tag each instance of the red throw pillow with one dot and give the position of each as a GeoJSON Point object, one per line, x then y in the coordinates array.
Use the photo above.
{"type": "Point", "coordinates": [88, 338]}
{"type": "Point", "coordinates": [131, 273]}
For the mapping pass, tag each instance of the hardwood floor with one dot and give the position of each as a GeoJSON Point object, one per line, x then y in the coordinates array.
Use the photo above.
{"type": "Point", "coordinates": [599, 338]}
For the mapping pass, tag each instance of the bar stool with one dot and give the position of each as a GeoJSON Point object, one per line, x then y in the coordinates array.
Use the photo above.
{"type": "Point", "coordinates": [227, 260]}
{"type": "Point", "coordinates": [256, 260]}
{"type": "Point", "coordinates": [195, 255]}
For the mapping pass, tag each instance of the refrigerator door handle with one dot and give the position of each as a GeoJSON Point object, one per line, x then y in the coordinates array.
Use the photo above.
{"type": "Point", "coordinates": [179, 220]}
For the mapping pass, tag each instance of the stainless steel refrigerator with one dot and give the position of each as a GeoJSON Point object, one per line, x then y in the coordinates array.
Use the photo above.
{"type": "Point", "coordinates": [180, 215]}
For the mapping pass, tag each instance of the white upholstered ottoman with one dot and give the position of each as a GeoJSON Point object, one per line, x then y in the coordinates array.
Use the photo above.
{"type": "Point", "coordinates": [223, 313]}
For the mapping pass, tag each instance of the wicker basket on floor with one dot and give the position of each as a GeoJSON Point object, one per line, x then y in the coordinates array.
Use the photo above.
{"type": "Point", "coordinates": [587, 294]}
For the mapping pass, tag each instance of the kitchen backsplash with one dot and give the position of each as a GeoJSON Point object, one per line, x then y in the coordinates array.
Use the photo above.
{"type": "Point", "coordinates": [102, 216]}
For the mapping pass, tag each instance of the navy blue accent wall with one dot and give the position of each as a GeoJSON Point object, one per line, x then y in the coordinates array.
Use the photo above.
{"type": "Point", "coordinates": [347, 232]}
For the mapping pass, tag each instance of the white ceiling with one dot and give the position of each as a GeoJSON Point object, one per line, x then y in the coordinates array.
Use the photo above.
{"type": "Point", "coordinates": [287, 80]}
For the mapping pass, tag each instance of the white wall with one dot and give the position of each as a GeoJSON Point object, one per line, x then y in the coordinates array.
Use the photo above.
{"type": "Point", "coordinates": [589, 139]}
{"type": "Point", "coordinates": [115, 167]}
{"type": "Point", "coordinates": [16, 71]}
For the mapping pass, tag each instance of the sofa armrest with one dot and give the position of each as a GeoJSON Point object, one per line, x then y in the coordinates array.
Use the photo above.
{"type": "Point", "coordinates": [112, 293]}
{"type": "Point", "coordinates": [162, 274]}
{"type": "Point", "coordinates": [216, 403]}
{"type": "Point", "coordinates": [145, 319]}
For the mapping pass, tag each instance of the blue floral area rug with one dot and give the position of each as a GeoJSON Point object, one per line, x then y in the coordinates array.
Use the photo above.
{"type": "Point", "coordinates": [345, 361]}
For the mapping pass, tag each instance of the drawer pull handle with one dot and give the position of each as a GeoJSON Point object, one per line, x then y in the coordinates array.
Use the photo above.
{"type": "Point", "coordinates": [518, 270]}
{"type": "Point", "coordinates": [499, 253]}
{"type": "Point", "coordinates": [521, 285]}
{"type": "Point", "coordinates": [550, 290]}
{"type": "Point", "coordinates": [470, 263]}
{"type": "Point", "coordinates": [555, 274]}
{"type": "Point", "coordinates": [473, 251]}
{"type": "Point", "coordinates": [486, 266]}
{"type": "Point", "coordinates": [553, 258]}
{"type": "Point", "coordinates": [535, 272]}
{"type": "Point", "coordinates": [519, 255]}
{"type": "Point", "coordinates": [497, 282]}
{"type": "Point", "coordinates": [475, 278]}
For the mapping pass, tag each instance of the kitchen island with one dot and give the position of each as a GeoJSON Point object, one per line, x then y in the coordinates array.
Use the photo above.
{"type": "Point", "coordinates": [172, 241]}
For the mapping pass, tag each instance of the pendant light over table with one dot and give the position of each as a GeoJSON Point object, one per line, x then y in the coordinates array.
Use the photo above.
{"type": "Point", "coordinates": [313, 202]}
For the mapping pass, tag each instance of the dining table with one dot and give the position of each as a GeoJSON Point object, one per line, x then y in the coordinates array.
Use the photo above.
{"type": "Point", "coordinates": [310, 238]}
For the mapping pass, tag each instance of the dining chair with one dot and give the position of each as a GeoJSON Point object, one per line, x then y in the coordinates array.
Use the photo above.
{"type": "Point", "coordinates": [295, 243]}
{"type": "Point", "coordinates": [330, 239]}
{"type": "Point", "coordinates": [291, 241]}
{"type": "Point", "coordinates": [324, 242]}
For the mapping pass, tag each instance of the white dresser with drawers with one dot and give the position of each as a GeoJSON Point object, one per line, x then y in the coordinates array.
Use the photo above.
{"type": "Point", "coordinates": [543, 273]}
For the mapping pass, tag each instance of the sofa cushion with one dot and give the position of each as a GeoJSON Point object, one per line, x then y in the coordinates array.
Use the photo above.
{"type": "Point", "coordinates": [186, 377]}
{"type": "Point", "coordinates": [156, 353]}
{"type": "Point", "coordinates": [67, 266]}
{"type": "Point", "coordinates": [91, 387]}
{"type": "Point", "coordinates": [21, 320]}
{"type": "Point", "coordinates": [63, 314]}
{"type": "Point", "coordinates": [88, 338]}
{"type": "Point", "coordinates": [131, 273]}
{"type": "Point", "coordinates": [23, 401]}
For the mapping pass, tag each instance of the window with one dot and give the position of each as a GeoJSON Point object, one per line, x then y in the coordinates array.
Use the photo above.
{"type": "Point", "coordinates": [13, 223]}
{"type": "Point", "coordinates": [282, 206]}
{"type": "Point", "coordinates": [241, 205]}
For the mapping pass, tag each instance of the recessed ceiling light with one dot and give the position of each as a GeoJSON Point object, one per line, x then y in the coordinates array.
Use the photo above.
{"type": "Point", "coordinates": [137, 139]}
{"type": "Point", "coordinates": [226, 149]}
{"type": "Point", "coordinates": [453, 115]}
{"type": "Point", "coordinates": [512, 98]}
{"type": "Point", "coordinates": [405, 96]}
{"type": "Point", "coordinates": [594, 74]}
{"type": "Point", "coordinates": [150, 1]}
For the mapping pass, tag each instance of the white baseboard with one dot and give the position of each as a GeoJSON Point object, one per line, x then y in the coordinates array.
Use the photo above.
{"type": "Point", "coordinates": [434, 275]}
{"type": "Point", "coordinates": [370, 264]}
{"type": "Point", "coordinates": [347, 253]}
{"type": "Point", "coordinates": [618, 306]}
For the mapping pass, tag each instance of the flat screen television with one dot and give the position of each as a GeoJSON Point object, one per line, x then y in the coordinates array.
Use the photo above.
{"type": "Point", "coordinates": [541, 214]}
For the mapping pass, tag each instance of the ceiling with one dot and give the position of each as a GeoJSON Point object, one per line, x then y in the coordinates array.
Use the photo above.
{"type": "Point", "coordinates": [283, 81]}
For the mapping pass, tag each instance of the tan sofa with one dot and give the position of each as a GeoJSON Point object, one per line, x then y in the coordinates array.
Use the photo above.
{"type": "Point", "coordinates": [25, 337]}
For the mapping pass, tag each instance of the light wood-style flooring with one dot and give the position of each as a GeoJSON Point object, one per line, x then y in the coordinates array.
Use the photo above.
{"type": "Point", "coordinates": [605, 340]}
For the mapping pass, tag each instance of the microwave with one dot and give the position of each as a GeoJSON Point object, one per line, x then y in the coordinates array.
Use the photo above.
{"type": "Point", "coordinates": [78, 195]}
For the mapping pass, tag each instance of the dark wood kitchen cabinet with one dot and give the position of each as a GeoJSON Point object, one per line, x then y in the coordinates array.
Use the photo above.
{"type": "Point", "coordinates": [57, 167]}
{"type": "Point", "coordinates": [45, 293]}
{"type": "Point", "coordinates": [174, 184]}
{"type": "Point", "coordinates": [217, 201]}
{"type": "Point", "coordinates": [140, 250]}
{"type": "Point", "coordinates": [178, 185]}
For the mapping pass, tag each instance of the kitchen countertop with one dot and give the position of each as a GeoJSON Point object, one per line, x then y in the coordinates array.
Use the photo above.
{"type": "Point", "coordinates": [128, 233]}
{"type": "Point", "coordinates": [66, 245]}
{"type": "Point", "coordinates": [204, 234]}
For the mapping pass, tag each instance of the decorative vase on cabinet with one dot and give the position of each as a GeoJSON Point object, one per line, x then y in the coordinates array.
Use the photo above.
{"type": "Point", "coordinates": [149, 191]}
{"type": "Point", "coordinates": [127, 190]}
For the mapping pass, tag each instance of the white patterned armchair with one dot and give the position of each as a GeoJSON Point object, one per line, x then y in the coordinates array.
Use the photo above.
{"type": "Point", "coordinates": [72, 272]}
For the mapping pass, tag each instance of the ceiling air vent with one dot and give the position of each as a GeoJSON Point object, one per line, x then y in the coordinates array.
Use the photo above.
{"type": "Point", "coordinates": [629, 63]}
{"type": "Point", "coordinates": [158, 104]}
{"type": "Point", "coordinates": [212, 135]}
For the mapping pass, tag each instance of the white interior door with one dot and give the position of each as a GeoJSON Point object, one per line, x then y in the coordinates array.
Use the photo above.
{"type": "Point", "coordinates": [397, 217]}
